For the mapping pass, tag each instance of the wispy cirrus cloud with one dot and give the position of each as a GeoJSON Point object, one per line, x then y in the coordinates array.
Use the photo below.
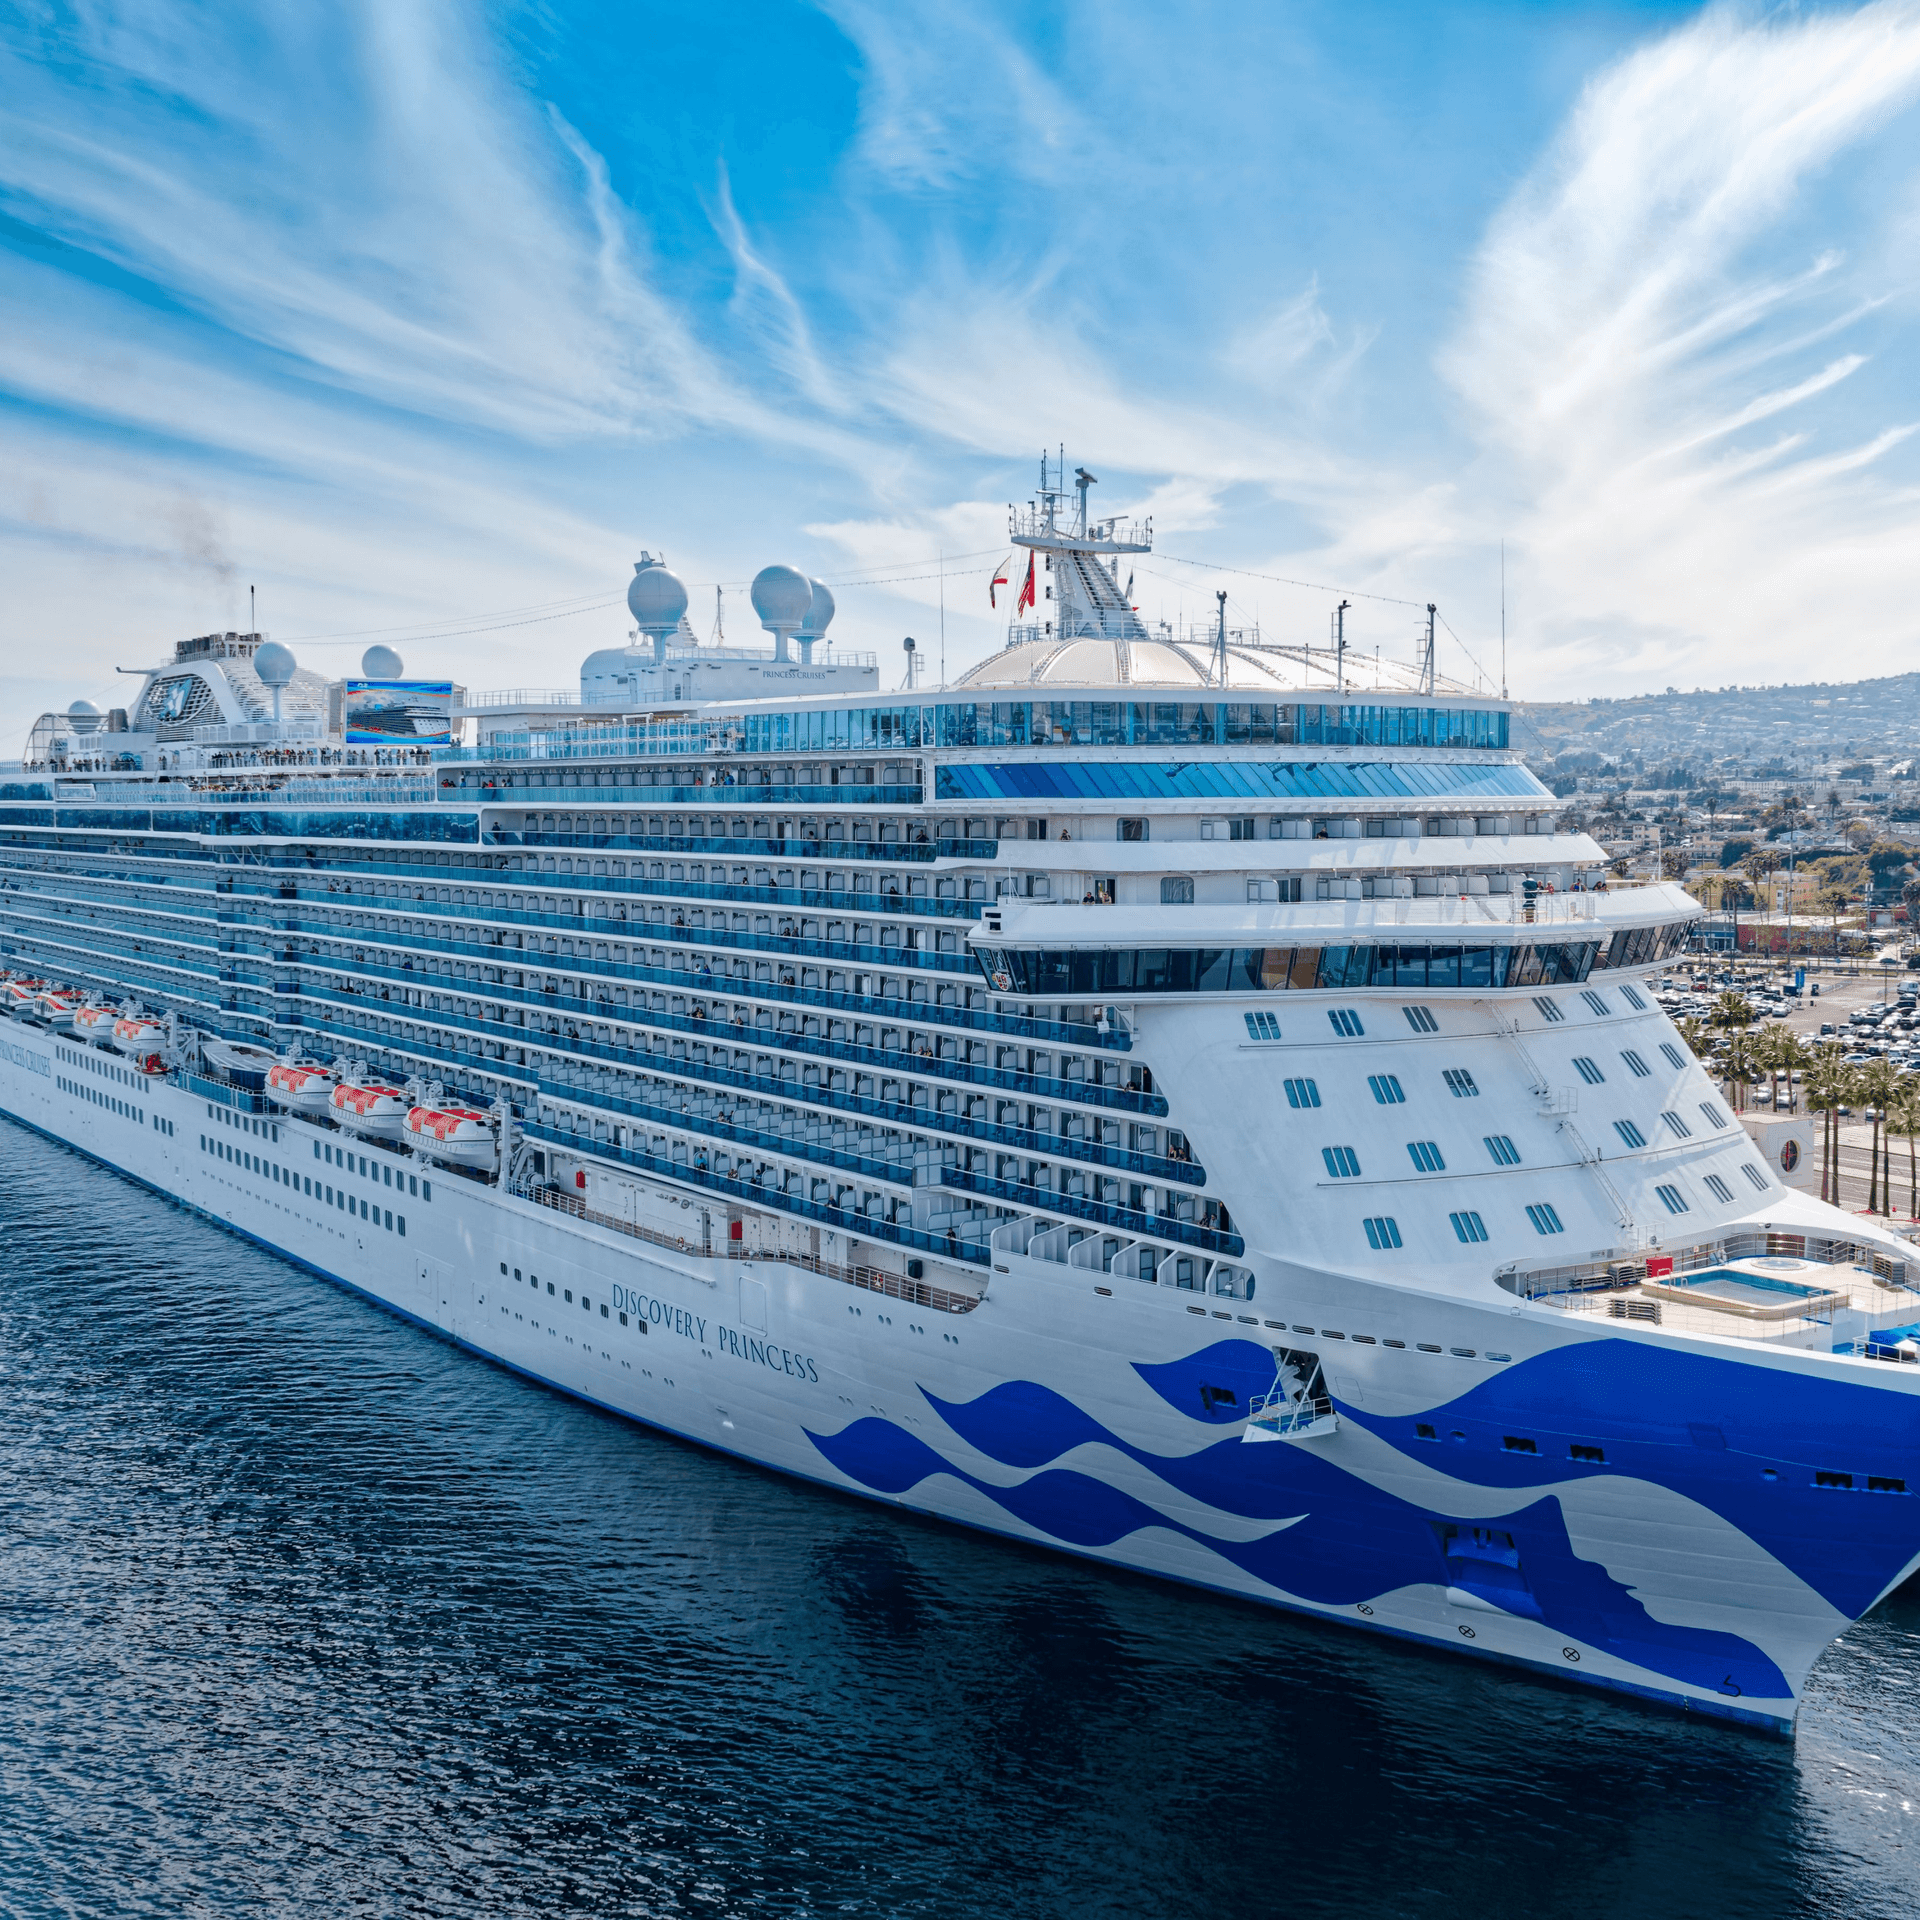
{"type": "Point", "coordinates": [1696, 478]}
{"type": "Point", "coordinates": [418, 321]}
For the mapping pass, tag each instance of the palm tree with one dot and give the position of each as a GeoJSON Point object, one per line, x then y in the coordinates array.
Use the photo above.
{"type": "Point", "coordinates": [1877, 1084]}
{"type": "Point", "coordinates": [1693, 1031]}
{"type": "Point", "coordinates": [1737, 1064]}
{"type": "Point", "coordinates": [1732, 1010]}
{"type": "Point", "coordinates": [1826, 1089]}
{"type": "Point", "coordinates": [1764, 1045]}
{"type": "Point", "coordinates": [1791, 1056]}
{"type": "Point", "coordinates": [1903, 1116]}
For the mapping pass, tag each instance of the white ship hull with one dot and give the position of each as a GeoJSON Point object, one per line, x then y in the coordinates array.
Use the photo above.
{"type": "Point", "coordinates": [1012, 1419]}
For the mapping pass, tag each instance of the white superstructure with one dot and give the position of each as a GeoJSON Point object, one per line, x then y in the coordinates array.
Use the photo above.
{"type": "Point", "coordinates": [1158, 1099]}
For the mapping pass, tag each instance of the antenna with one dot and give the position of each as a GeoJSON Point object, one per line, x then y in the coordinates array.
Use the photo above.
{"type": "Point", "coordinates": [1427, 670]}
{"type": "Point", "coordinates": [1340, 646]}
{"type": "Point", "coordinates": [719, 621]}
{"type": "Point", "coordinates": [253, 626]}
{"type": "Point", "coordinates": [913, 663]}
{"type": "Point", "coordinates": [1220, 643]}
{"type": "Point", "coordinates": [943, 616]}
{"type": "Point", "coordinates": [1503, 619]}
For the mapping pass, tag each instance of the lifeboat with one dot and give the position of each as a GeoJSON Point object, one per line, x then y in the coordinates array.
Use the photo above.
{"type": "Point", "coordinates": [457, 1135]}
{"type": "Point", "coordinates": [300, 1089]}
{"type": "Point", "coordinates": [377, 1111]}
{"type": "Point", "coordinates": [58, 1005]}
{"type": "Point", "coordinates": [94, 1024]}
{"type": "Point", "coordinates": [141, 1040]}
{"type": "Point", "coordinates": [22, 997]}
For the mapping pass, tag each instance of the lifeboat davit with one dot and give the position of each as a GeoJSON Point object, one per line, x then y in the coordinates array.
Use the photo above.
{"type": "Point", "coordinates": [458, 1135]}
{"type": "Point", "coordinates": [140, 1039]}
{"type": "Point", "coordinates": [22, 997]}
{"type": "Point", "coordinates": [300, 1089]}
{"type": "Point", "coordinates": [94, 1024]}
{"type": "Point", "coordinates": [379, 1112]}
{"type": "Point", "coordinates": [58, 1005]}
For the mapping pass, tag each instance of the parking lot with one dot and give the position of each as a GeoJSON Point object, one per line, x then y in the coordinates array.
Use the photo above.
{"type": "Point", "coordinates": [1844, 990]}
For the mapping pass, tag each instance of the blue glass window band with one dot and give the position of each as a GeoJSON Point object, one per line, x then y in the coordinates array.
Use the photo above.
{"type": "Point", "coordinates": [1047, 975]}
{"type": "Point", "coordinates": [1236, 780]}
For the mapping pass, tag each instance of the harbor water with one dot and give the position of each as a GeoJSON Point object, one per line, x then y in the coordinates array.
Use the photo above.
{"type": "Point", "coordinates": [307, 1611]}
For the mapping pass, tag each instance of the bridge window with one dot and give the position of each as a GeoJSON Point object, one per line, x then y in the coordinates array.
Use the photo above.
{"type": "Point", "coordinates": [1301, 1093]}
{"type": "Point", "coordinates": [1346, 1021]}
{"type": "Point", "coordinates": [1549, 1009]}
{"type": "Point", "coordinates": [1678, 1127]}
{"type": "Point", "coordinates": [1468, 1228]}
{"type": "Point", "coordinates": [1383, 1233]}
{"type": "Point", "coordinates": [1544, 1218]}
{"type": "Point", "coordinates": [1426, 1155]}
{"type": "Point", "coordinates": [1719, 1188]}
{"type": "Point", "coordinates": [1671, 1054]}
{"type": "Point", "coordinates": [1673, 1199]}
{"type": "Point", "coordinates": [1421, 1019]}
{"type": "Point", "coordinates": [1755, 1178]}
{"type": "Point", "coordinates": [1342, 1162]}
{"type": "Point", "coordinates": [1263, 1026]}
{"type": "Point", "coordinates": [1504, 1152]}
{"type": "Point", "coordinates": [1635, 1065]}
{"type": "Point", "coordinates": [1595, 1002]}
{"type": "Point", "coordinates": [1715, 1118]}
{"type": "Point", "coordinates": [1460, 1083]}
{"type": "Point", "coordinates": [1387, 1090]}
{"type": "Point", "coordinates": [1588, 1071]}
{"type": "Point", "coordinates": [1630, 1133]}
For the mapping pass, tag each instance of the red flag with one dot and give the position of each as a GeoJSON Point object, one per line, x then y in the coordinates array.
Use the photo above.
{"type": "Point", "coordinates": [998, 581]}
{"type": "Point", "coordinates": [1026, 592]}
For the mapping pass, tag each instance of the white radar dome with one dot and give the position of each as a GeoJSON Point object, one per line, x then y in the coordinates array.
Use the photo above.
{"type": "Point", "coordinates": [820, 614]}
{"type": "Point", "coordinates": [274, 664]}
{"type": "Point", "coordinates": [382, 663]}
{"type": "Point", "coordinates": [782, 598]}
{"type": "Point", "coordinates": [656, 596]}
{"type": "Point", "coordinates": [84, 717]}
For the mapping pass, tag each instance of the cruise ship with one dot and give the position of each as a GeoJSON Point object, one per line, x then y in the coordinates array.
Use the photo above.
{"type": "Point", "coordinates": [1169, 1096]}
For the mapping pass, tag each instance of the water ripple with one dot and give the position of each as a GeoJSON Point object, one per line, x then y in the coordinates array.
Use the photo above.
{"type": "Point", "coordinates": [306, 1612]}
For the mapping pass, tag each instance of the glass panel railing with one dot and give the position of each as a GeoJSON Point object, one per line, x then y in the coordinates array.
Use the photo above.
{"type": "Point", "coordinates": [1131, 1220]}
{"type": "Point", "coordinates": [860, 901]}
{"type": "Point", "coordinates": [824, 851]}
{"type": "Point", "coordinates": [1006, 1027]}
{"type": "Point", "coordinates": [522, 1041]}
{"type": "Point", "coordinates": [864, 1226]}
{"type": "Point", "coordinates": [883, 1062]}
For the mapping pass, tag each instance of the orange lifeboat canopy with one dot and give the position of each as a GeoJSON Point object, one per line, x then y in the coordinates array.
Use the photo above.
{"type": "Point", "coordinates": [457, 1134]}
{"type": "Point", "coordinates": [369, 1109]}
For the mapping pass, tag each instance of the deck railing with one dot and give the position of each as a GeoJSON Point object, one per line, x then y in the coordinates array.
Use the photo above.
{"type": "Point", "coordinates": [895, 1286]}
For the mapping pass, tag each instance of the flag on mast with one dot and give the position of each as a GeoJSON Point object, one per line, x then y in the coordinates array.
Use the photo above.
{"type": "Point", "coordinates": [1027, 596]}
{"type": "Point", "coordinates": [999, 580]}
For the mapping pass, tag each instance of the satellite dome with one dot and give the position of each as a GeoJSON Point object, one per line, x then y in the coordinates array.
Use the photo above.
{"type": "Point", "coordinates": [381, 663]}
{"type": "Point", "coordinates": [820, 614]}
{"type": "Point", "coordinates": [782, 598]}
{"type": "Point", "coordinates": [84, 717]}
{"type": "Point", "coordinates": [274, 664]}
{"type": "Point", "coordinates": [656, 596]}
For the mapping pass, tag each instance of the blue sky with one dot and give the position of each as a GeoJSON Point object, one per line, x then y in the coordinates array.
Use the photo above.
{"type": "Point", "coordinates": [428, 318]}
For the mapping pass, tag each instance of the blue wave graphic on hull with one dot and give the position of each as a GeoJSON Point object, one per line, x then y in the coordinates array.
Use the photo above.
{"type": "Point", "coordinates": [1709, 1429]}
{"type": "Point", "coordinates": [1349, 1543]}
{"type": "Point", "coordinates": [1700, 1426]}
{"type": "Point", "coordinates": [1214, 1384]}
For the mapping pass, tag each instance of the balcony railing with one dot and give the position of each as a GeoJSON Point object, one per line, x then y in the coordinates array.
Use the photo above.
{"type": "Point", "coordinates": [892, 1286]}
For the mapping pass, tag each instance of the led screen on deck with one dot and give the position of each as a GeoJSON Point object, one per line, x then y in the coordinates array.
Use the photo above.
{"type": "Point", "coordinates": [381, 713]}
